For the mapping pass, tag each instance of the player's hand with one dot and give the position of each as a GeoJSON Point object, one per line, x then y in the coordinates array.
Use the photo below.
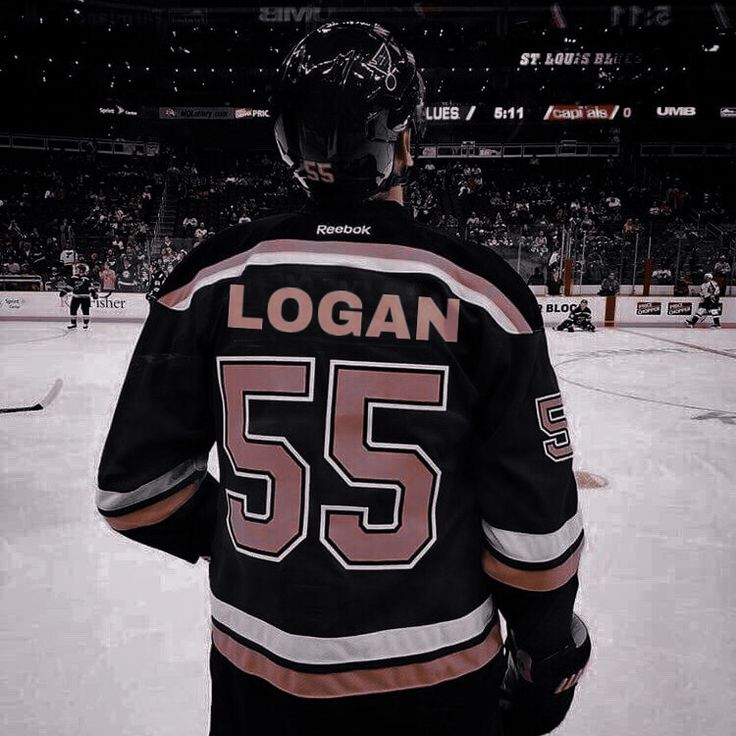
{"type": "Point", "coordinates": [536, 696]}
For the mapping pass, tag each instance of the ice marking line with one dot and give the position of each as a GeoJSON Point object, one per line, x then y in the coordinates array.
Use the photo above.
{"type": "Point", "coordinates": [621, 394]}
{"type": "Point", "coordinates": [724, 353]}
{"type": "Point", "coordinates": [35, 339]}
{"type": "Point", "coordinates": [575, 357]}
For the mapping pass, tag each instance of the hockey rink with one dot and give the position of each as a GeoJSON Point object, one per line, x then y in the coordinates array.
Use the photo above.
{"type": "Point", "coordinates": [101, 636]}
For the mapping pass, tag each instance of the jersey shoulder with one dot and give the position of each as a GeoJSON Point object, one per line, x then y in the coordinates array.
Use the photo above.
{"type": "Point", "coordinates": [489, 266]}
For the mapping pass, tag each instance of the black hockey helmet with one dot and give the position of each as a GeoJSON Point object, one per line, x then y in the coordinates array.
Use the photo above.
{"type": "Point", "coordinates": [344, 95]}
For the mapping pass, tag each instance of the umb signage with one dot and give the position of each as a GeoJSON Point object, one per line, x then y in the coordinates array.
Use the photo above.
{"type": "Point", "coordinates": [449, 113]}
{"type": "Point", "coordinates": [728, 113]}
{"type": "Point", "coordinates": [672, 111]}
{"type": "Point", "coordinates": [574, 113]}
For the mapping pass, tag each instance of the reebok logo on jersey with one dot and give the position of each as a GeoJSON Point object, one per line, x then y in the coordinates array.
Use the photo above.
{"type": "Point", "coordinates": [344, 229]}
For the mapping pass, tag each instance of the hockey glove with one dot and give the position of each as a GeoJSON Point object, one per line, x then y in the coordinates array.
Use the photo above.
{"type": "Point", "coordinates": [535, 696]}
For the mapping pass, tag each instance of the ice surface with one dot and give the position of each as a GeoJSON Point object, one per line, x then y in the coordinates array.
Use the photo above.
{"type": "Point", "coordinates": [101, 636]}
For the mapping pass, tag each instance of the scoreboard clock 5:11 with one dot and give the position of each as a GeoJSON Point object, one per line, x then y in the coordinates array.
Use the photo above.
{"type": "Point", "coordinates": [508, 113]}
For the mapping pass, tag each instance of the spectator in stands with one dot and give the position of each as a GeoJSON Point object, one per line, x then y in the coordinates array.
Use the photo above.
{"type": "Point", "coordinates": [682, 285]}
{"type": "Point", "coordinates": [610, 285]}
{"type": "Point", "coordinates": [55, 281]}
{"type": "Point", "coordinates": [127, 282]}
{"type": "Point", "coordinates": [662, 276]}
{"type": "Point", "coordinates": [141, 235]}
{"type": "Point", "coordinates": [721, 272]}
{"type": "Point", "coordinates": [66, 234]}
{"type": "Point", "coordinates": [536, 278]}
{"type": "Point", "coordinates": [108, 278]}
{"type": "Point", "coordinates": [14, 229]}
{"type": "Point", "coordinates": [554, 260]}
{"type": "Point", "coordinates": [631, 226]}
{"type": "Point", "coordinates": [471, 224]}
{"type": "Point", "coordinates": [613, 203]}
{"type": "Point", "coordinates": [68, 258]}
{"type": "Point", "coordinates": [554, 283]}
{"type": "Point", "coordinates": [200, 234]}
{"type": "Point", "coordinates": [189, 224]}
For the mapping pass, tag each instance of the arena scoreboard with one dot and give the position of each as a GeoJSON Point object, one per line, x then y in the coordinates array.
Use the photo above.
{"type": "Point", "coordinates": [565, 112]}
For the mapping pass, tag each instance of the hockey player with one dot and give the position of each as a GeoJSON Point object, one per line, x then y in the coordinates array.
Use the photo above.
{"type": "Point", "coordinates": [395, 463]}
{"type": "Point", "coordinates": [580, 316]}
{"type": "Point", "coordinates": [83, 291]}
{"type": "Point", "coordinates": [158, 277]}
{"type": "Point", "coordinates": [710, 296]}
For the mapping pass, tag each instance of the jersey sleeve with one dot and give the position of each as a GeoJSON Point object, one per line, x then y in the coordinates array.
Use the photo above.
{"type": "Point", "coordinates": [531, 524]}
{"type": "Point", "coordinates": [153, 482]}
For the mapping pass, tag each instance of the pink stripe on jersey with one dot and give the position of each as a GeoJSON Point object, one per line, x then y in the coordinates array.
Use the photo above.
{"type": "Point", "coordinates": [359, 682]}
{"type": "Point", "coordinates": [380, 257]}
{"type": "Point", "coordinates": [229, 268]}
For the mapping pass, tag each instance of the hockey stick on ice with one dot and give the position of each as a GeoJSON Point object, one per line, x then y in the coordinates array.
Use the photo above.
{"type": "Point", "coordinates": [42, 404]}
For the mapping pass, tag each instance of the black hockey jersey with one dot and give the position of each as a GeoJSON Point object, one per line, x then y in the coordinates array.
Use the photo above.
{"type": "Point", "coordinates": [81, 287]}
{"type": "Point", "coordinates": [580, 315]}
{"type": "Point", "coordinates": [395, 462]}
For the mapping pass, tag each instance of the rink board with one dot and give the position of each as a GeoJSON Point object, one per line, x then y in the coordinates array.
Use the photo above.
{"type": "Point", "coordinates": [48, 305]}
{"type": "Point", "coordinates": [670, 311]}
{"type": "Point", "coordinates": [630, 311]}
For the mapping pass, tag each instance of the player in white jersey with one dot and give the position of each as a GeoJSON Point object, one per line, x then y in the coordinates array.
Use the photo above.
{"type": "Point", "coordinates": [710, 296]}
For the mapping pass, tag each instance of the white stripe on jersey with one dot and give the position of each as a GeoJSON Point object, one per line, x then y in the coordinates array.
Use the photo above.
{"type": "Point", "coordinates": [377, 645]}
{"type": "Point", "coordinates": [117, 501]}
{"type": "Point", "coordinates": [525, 547]}
{"type": "Point", "coordinates": [378, 257]}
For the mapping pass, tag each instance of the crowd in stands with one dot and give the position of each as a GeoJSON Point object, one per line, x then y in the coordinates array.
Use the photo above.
{"type": "Point", "coordinates": [254, 186]}
{"type": "Point", "coordinates": [78, 209]}
{"type": "Point", "coordinates": [526, 210]}
{"type": "Point", "coordinates": [58, 211]}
